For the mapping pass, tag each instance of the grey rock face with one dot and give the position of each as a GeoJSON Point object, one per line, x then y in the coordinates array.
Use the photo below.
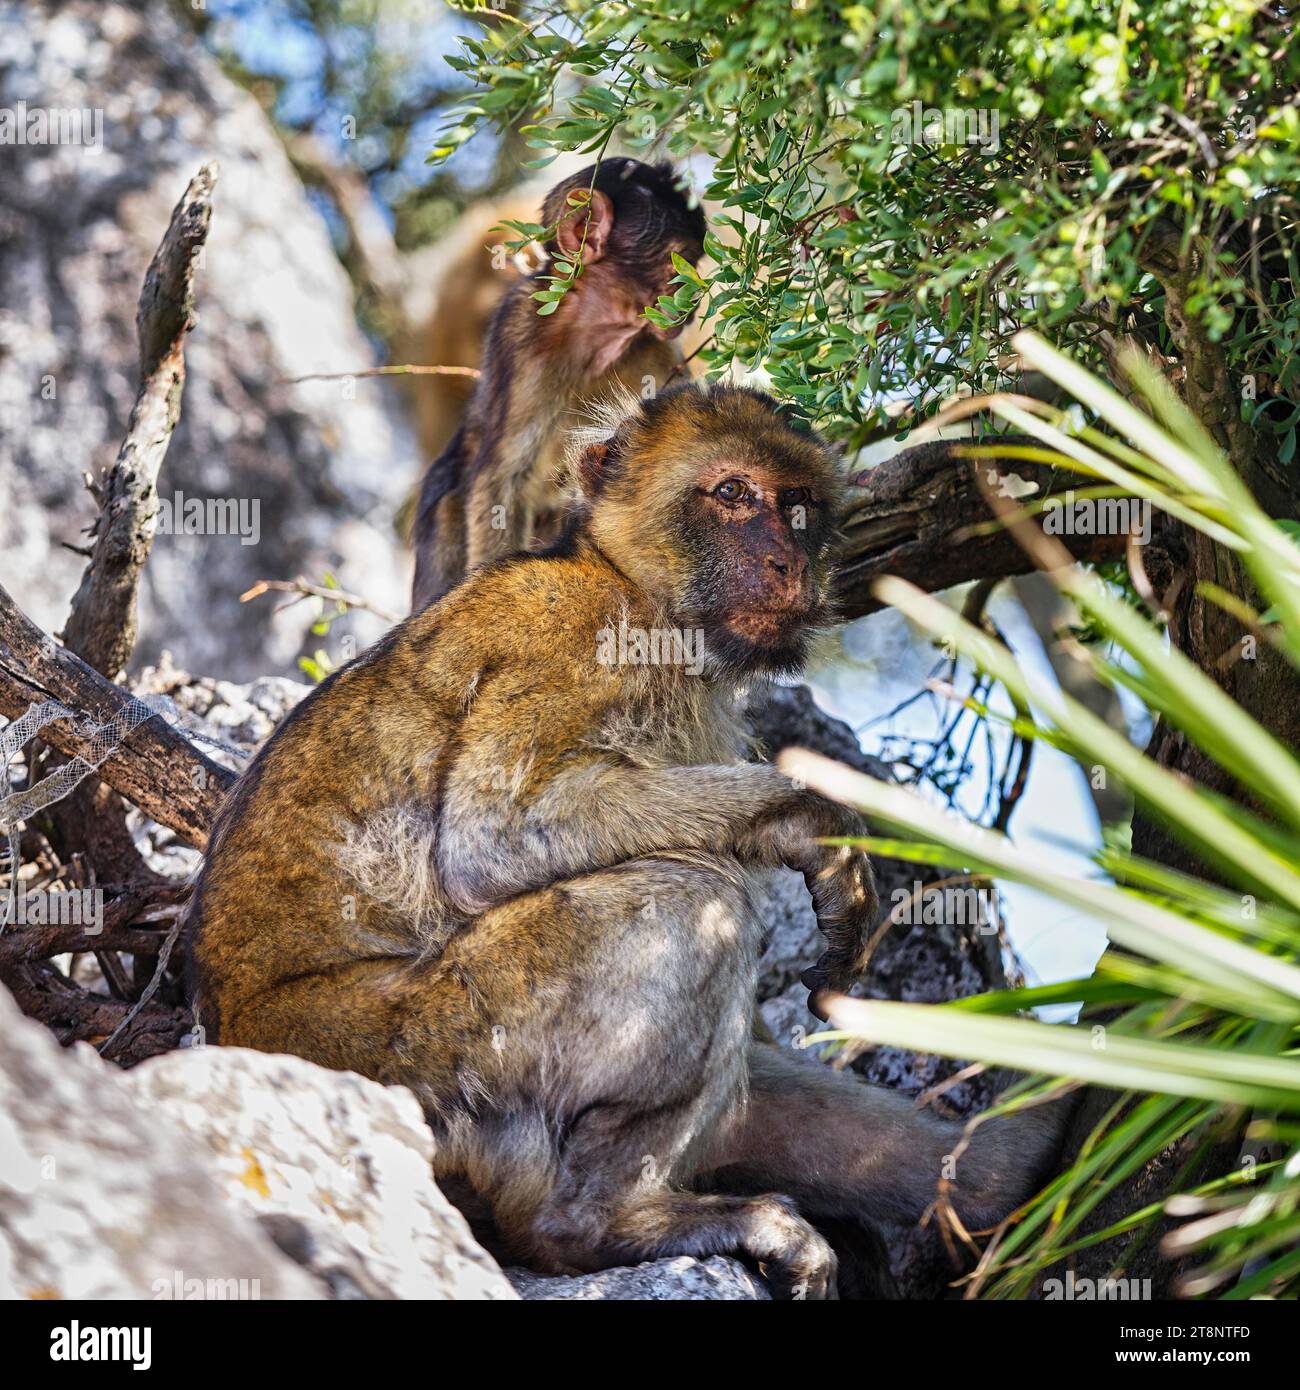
{"type": "Point", "coordinates": [714, 1280]}
{"type": "Point", "coordinates": [337, 1167]}
{"type": "Point", "coordinates": [326, 463]}
{"type": "Point", "coordinates": [98, 1199]}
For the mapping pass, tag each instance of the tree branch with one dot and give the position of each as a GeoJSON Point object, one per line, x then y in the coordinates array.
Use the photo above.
{"type": "Point", "coordinates": [103, 623]}
{"type": "Point", "coordinates": [156, 767]}
{"type": "Point", "coordinates": [915, 515]}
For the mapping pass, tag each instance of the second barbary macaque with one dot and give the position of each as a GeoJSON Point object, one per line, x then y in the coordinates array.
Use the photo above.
{"type": "Point", "coordinates": [500, 483]}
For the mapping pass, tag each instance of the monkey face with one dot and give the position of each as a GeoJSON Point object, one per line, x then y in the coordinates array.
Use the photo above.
{"type": "Point", "coordinates": [754, 582]}
{"type": "Point", "coordinates": [723, 512]}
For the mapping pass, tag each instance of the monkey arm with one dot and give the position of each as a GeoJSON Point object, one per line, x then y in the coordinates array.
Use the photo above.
{"type": "Point", "coordinates": [497, 522]}
{"type": "Point", "coordinates": [438, 535]}
{"type": "Point", "coordinates": [495, 841]}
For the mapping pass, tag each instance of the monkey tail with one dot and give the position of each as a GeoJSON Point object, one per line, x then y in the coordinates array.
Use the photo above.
{"type": "Point", "coordinates": [843, 1148]}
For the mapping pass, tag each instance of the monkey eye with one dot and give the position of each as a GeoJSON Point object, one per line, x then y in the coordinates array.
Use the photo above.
{"type": "Point", "coordinates": [794, 497]}
{"type": "Point", "coordinates": [731, 490]}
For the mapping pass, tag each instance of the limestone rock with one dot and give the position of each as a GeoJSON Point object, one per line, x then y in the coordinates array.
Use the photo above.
{"type": "Point", "coordinates": [326, 462]}
{"type": "Point", "coordinates": [683, 1279]}
{"type": "Point", "coordinates": [338, 1166]}
{"type": "Point", "coordinates": [99, 1199]}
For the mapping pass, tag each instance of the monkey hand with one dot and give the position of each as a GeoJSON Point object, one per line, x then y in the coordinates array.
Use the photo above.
{"type": "Point", "coordinates": [844, 898]}
{"type": "Point", "coordinates": [843, 890]}
{"type": "Point", "coordinates": [797, 1262]}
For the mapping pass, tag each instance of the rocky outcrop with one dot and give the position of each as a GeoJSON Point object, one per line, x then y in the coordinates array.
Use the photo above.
{"type": "Point", "coordinates": [319, 467]}
{"type": "Point", "coordinates": [337, 1168]}
{"type": "Point", "coordinates": [918, 962]}
{"type": "Point", "coordinates": [717, 1280]}
{"type": "Point", "coordinates": [221, 1173]}
{"type": "Point", "coordinates": [99, 1199]}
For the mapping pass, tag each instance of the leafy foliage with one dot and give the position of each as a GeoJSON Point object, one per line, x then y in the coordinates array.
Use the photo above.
{"type": "Point", "coordinates": [1199, 992]}
{"type": "Point", "coordinates": [900, 187]}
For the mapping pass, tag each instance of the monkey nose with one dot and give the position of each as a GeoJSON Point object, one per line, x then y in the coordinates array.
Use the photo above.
{"type": "Point", "coordinates": [787, 565]}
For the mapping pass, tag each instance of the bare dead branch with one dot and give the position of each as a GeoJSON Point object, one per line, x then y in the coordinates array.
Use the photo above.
{"type": "Point", "coordinates": [156, 767]}
{"type": "Point", "coordinates": [73, 1015]}
{"type": "Point", "coordinates": [102, 624]}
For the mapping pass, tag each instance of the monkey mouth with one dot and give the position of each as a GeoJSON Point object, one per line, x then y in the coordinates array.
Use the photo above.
{"type": "Point", "coordinates": [775, 643]}
{"type": "Point", "coordinates": [769, 626]}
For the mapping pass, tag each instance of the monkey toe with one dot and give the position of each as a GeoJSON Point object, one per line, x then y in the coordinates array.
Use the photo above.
{"type": "Point", "coordinates": [796, 1261]}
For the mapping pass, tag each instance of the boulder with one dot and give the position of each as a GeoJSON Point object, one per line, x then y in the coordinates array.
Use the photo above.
{"type": "Point", "coordinates": [101, 1199]}
{"type": "Point", "coordinates": [337, 1168]}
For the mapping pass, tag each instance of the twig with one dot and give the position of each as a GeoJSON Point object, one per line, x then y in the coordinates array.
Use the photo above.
{"type": "Point", "coordinates": [102, 625]}
{"type": "Point", "coordinates": [304, 588]}
{"type": "Point", "coordinates": [405, 369]}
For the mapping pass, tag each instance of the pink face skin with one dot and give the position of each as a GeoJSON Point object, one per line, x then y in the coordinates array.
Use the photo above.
{"type": "Point", "coordinates": [749, 509]}
{"type": "Point", "coordinates": [604, 315]}
{"type": "Point", "coordinates": [605, 310]}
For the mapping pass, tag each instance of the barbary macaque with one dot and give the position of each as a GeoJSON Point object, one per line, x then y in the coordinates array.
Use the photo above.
{"type": "Point", "coordinates": [519, 879]}
{"type": "Point", "coordinates": [499, 483]}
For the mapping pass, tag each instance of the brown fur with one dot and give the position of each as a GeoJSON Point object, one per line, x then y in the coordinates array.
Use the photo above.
{"type": "Point", "coordinates": [499, 484]}
{"type": "Point", "coordinates": [482, 863]}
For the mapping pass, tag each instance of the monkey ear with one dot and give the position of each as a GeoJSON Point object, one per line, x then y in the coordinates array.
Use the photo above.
{"type": "Point", "coordinates": [591, 467]}
{"type": "Point", "coordinates": [598, 220]}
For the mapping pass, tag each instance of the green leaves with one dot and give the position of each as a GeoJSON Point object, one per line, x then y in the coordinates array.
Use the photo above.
{"type": "Point", "coordinates": [1106, 1059]}
{"type": "Point", "coordinates": [894, 191]}
{"type": "Point", "coordinates": [928, 177]}
{"type": "Point", "coordinates": [1201, 984]}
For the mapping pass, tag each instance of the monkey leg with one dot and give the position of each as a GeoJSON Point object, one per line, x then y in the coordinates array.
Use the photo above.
{"type": "Point", "coordinates": [844, 1149]}
{"type": "Point", "coordinates": [575, 1050]}
{"type": "Point", "coordinates": [766, 1231]}
{"type": "Point", "coordinates": [634, 1054]}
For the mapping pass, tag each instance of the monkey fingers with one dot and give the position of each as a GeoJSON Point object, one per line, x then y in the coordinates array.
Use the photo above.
{"type": "Point", "coordinates": [844, 898]}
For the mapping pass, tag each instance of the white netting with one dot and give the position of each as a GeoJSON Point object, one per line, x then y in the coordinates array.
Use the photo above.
{"type": "Point", "coordinates": [102, 741]}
